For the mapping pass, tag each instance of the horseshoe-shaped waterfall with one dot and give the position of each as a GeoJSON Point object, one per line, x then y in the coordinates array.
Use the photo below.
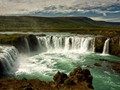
{"type": "Point", "coordinates": [59, 53]}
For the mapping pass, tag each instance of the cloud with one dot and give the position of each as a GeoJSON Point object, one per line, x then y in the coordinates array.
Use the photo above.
{"type": "Point", "coordinates": [101, 19]}
{"type": "Point", "coordinates": [117, 19]}
{"type": "Point", "coordinates": [26, 6]}
{"type": "Point", "coordinates": [60, 7]}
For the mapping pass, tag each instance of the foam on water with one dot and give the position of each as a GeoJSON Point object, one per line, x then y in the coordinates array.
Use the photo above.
{"type": "Point", "coordinates": [45, 65]}
{"type": "Point", "coordinates": [63, 53]}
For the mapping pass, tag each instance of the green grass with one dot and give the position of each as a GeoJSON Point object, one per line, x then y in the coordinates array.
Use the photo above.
{"type": "Point", "coordinates": [56, 24]}
{"type": "Point", "coordinates": [10, 38]}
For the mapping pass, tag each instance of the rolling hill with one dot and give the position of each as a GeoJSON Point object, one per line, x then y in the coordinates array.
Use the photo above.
{"type": "Point", "coordinates": [29, 23]}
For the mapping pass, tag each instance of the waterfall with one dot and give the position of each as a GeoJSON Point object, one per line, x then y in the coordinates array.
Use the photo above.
{"type": "Point", "coordinates": [106, 47]}
{"type": "Point", "coordinates": [48, 43]}
{"type": "Point", "coordinates": [66, 43]}
{"type": "Point", "coordinates": [8, 57]}
{"type": "Point", "coordinates": [27, 45]}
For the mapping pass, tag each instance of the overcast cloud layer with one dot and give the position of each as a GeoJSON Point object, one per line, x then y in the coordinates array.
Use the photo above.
{"type": "Point", "coordinates": [108, 10]}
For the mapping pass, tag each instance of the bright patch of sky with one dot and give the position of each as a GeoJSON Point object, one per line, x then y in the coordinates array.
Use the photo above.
{"type": "Point", "coordinates": [109, 9]}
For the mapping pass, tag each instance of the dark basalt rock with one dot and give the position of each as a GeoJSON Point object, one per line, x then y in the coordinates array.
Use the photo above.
{"type": "Point", "coordinates": [1, 69]}
{"type": "Point", "coordinates": [112, 65]}
{"type": "Point", "coordinates": [99, 43]}
{"type": "Point", "coordinates": [19, 42]}
{"type": "Point", "coordinates": [27, 88]}
{"type": "Point", "coordinates": [70, 81]}
{"type": "Point", "coordinates": [75, 78]}
{"type": "Point", "coordinates": [115, 46]}
{"type": "Point", "coordinates": [97, 65]}
{"type": "Point", "coordinates": [15, 40]}
{"type": "Point", "coordinates": [76, 70]}
{"type": "Point", "coordinates": [33, 43]}
{"type": "Point", "coordinates": [59, 78]}
{"type": "Point", "coordinates": [85, 72]}
{"type": "Point", "coordinates": [79, 80]}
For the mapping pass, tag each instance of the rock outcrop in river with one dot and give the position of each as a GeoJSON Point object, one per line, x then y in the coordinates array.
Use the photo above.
{"type": "Point", "coordinates": [78, 79]}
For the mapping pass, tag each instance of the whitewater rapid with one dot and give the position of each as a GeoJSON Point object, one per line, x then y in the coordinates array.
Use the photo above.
{"type": "Point", "coordinates": [60, 52]}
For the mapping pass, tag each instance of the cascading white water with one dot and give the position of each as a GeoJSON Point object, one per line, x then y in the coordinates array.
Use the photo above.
{"type": "Point", "coordinates": [60, 53]}
{"type": "Point", "coordinates": [63, 53]}
{"type": "Point", "coordinates": [66, 43]}
{"type": "Point", "coordinates": [106, 47]}
{"type": "Point", "coordinates": [27, 45]}
{"type": "Point", "coordinates": [8, 57]}
{"type": "Point", "coordinates": [54, 49]}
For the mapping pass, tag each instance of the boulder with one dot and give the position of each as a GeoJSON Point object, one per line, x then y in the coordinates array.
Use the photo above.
{"type": "Point", "coordinates": [78, 81]}
{"type": "Point", "coordinates": [76, 77]}
{"type": "Point", "coordinates": [59, 78]}
{"type": "Point", "coordinates": [27, 88]}
{"type": "Point", "coordinates": [75, 71]}
{"type": "Point", "coordinates": [70, 81]}
{"type": "Point", "coordinates": [97, 65]}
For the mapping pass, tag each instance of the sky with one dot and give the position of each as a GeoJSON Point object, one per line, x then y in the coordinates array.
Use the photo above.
{"type": "Point", "coordinates": [107, 10]}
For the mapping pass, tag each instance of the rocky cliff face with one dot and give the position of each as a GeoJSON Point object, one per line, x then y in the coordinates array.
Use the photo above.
{"type": "Point", "coordinates": [20, 43]}
{"type": "Point", "coordinates": [99, 43]}
{"type": "Point", "coordinates": [114, 44]}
